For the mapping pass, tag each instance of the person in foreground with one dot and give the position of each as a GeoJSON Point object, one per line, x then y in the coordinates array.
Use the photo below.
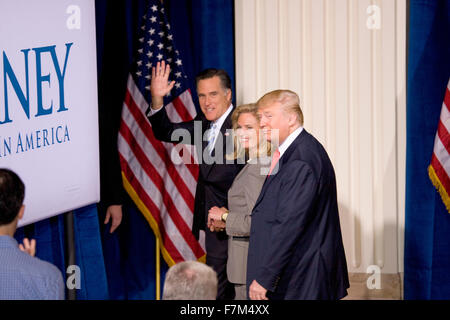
{"type": "Point", "coordinates": [22, 276]}
{"type": "Point", "coordinates": [253, 147]}
{"type": "Point", "coordinates": [295, 249]}
{"type": "Point", "coordinates": [190, 280]}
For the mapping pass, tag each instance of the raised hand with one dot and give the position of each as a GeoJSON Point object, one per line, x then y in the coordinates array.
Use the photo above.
{"type": "Point", "coordinates": [160, 85]}
{"type": "Point", "coordinates": [28, 246]}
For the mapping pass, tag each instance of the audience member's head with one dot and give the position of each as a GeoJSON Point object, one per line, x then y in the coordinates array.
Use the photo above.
{"type": "Point", "coordinates": [190, 280]}
{"type": "Point", "coordinates": [12, 192]}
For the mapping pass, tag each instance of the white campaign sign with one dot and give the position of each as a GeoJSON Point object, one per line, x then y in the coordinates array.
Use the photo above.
{"type": "Point", "coordinates": [48, 103]}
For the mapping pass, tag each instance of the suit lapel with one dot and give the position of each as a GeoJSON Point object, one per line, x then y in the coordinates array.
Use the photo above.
{"type": "Point", "coordinates": [241, 172]}
{"type": "Point", "coordinates": [225, 139]}
{"type": "Point", "coordinates": [284, 159]}
{"type": "Point", "coordinates": [267, 182]}
{"type": "Point", "coordinates": [204, 167]}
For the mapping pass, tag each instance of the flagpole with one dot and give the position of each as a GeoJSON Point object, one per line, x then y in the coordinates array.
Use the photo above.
{"type": "Point", "coordinates": [69, 228]}
{"type": "Point", "coordinates": [158, 270]}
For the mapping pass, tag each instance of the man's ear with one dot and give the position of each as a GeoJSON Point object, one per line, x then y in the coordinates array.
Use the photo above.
{"type": "Point", "coordinates": [292, 119]}
{"type": "Point", "coordinates": [21, 212]}
{"type": "Point", "coordinates": [228, 94]}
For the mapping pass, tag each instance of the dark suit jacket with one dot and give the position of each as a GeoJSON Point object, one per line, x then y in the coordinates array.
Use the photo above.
{"type": "Point", "coordinates": [296, 249]}
{"type": "Point", "coordinates": [214, 179]}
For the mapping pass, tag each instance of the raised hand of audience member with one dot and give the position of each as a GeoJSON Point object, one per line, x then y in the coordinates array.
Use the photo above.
{"type": "Point", "coordinates": [28, 246]}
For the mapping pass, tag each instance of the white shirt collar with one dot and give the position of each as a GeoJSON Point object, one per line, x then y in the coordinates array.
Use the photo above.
{"type": "Point", "coordinates": [286, 143]}
{"type": "Point", "coordinates": [219, 122]}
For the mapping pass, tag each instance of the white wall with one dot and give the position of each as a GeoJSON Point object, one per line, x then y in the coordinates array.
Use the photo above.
{"type": "Point", "coordinates": [351, 82]}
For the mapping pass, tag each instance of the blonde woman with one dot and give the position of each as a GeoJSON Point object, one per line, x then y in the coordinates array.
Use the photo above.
{"type": "Point", "coordinates": [250, 145]}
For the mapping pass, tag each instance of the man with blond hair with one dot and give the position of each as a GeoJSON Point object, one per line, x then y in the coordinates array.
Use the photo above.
{"type": "Point", "coordinates": [296, 249]}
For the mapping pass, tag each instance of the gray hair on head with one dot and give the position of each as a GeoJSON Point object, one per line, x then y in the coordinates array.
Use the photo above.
{"type": "Point", "coordinates": [190, 280]}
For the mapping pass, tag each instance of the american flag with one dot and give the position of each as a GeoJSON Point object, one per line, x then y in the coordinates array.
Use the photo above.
{"type": "Point", "coordinates": [439, 169]}
{"type": "Point", "coordinates": [163, 191]}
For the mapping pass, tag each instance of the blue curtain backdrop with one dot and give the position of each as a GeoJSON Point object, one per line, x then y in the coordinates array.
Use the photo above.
{"type": "Point", "coordinates": [203, 33]}
{"type": "Point", "coordinates": [427, 225]}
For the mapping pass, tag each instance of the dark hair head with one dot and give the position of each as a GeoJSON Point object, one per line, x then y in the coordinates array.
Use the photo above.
{"type": "Point", "coordinates": [12, 192]}
{"type": "Point", "coordinates": [225, 80]}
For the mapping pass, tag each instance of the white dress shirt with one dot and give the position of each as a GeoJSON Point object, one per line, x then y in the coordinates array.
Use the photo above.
{"type": "Point", "coordinates": [219, 122]}
{"type": "Point", "coordinates": [286, 143]}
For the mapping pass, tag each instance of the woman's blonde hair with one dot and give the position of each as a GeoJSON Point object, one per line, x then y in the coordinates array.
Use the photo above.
{"type": "Point", "coordinates": [264, 147]}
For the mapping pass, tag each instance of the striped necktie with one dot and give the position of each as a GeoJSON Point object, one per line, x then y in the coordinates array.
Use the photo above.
{"type": "Point", "coordinates": [211, 138]}
{"type": "Point", "coordinates": [275, 158]}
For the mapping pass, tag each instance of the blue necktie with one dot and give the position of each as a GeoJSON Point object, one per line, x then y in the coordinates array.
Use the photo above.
{"type": "Point", "coordinates": [211, 138]}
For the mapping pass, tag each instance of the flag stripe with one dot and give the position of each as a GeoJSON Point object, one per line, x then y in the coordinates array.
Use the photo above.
{"type": "Point", "coordinates": [185, 209]}
{"type": "Point", "coordinates": [154, 176]}
{"type": "Point", "coordinates": [440, 172]}
{"type": "Point", "coordinates": [170, 185]}
{"type": "Point", "coordinates": [188, 150]}
{"type": "Point", "coordinates": [159, 148]}
{"type": "Point", "coordinates": [147, 129]}
{"type": "Point", "coordinates": [441, 154]}
{"type": "Point", "coordinates": [151, 206]}
{"type": "Point", "coordinates": [172, 113]}
{"type": "Point", "coordinates": [186, 98]}
{"type": "Point", "coordinates": [165, 219]}
{"type": "Point", "coordinates": [447, 98]}
{"type": "Point", "coordinates": [444, 137]}
{"type": "Point", "coordinates": [142, 105]}
{"type": "Point", "coordinates": [184, 101]}
{"type": "Point", "coordinates": [181, 110]}
{"type": "Point", "coordinates": [445, 117]}
{"type": "Point", "coordinates": [162, 188]}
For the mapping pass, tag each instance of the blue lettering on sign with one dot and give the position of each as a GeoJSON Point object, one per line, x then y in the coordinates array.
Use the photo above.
{"type": "Point", "coordinates": [38, 139]}
{"type": "Point", "coordinates": [8, 71]}
{"type": "Point", "coordinates": [45, 133]}
{"type": "Point", "coordinates": [24, 98]}
{"type": "Point", "coordinates": [33, 140]}
{"type": "Point", "coordinates": [6, 146]}
{"type": "Point", "coordinates": [66, 134]}
{"type": "Point", "coordinates": [57, 134]}
{"type": "Point", "coordinates": [19, 144]}
{"type": "Point", "coordinates": [29, 142]}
